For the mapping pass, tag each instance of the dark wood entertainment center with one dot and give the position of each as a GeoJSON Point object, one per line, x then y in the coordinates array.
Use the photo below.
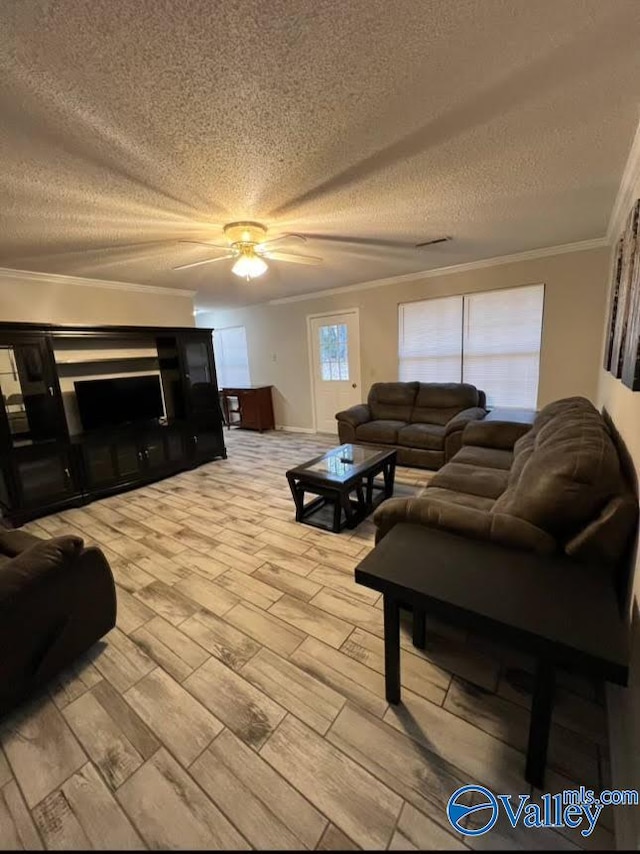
{"type": "Point", "coordinates": [48, 463]}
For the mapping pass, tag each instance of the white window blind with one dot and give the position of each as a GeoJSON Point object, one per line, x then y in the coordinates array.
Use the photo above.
{"type": "Point", "coordinates": [232, 361]}
{"type": "Point", "coordinates": [501, 352]}
{"type": "Point", "coordinates": [430, 340]}
{"type": "Point", "coordinates": [491, 340]}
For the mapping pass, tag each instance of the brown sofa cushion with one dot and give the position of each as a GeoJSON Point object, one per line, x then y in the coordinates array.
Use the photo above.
{"type": "Point", "coordinates": [494, 458]}
{"type": "Point", "coordinates": [392, 401]}
{"type": "Point", "coordinates": [464, 498]}
{"type": "Point", "coordinates": [438, 403]}
{"type": "Point", "coordinates": [427, 436]}
{"type": "Point", "coordinates": [477, 524]}
{"type": "Point", "coordinates": [502, 435]}
{"type": "Point", "coordinates": [475, 480]}
{"type": "Point", "coordinates": [564, 472]}
{"type": "Point", "coordinates": [385, 432]}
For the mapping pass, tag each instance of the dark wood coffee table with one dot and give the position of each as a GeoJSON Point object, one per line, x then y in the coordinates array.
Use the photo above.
{"type": "Point", "coordinates": [343, 479]}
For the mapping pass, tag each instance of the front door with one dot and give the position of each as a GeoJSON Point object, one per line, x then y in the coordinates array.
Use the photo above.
{"type": "Point", "coordinates": [335, 355]}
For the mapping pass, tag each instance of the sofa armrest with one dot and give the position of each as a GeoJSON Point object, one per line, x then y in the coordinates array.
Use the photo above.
{"type": "Point", "coordinates": [56, 600]}
{"type": "Point", "coordinates": [355, 415]}
{"type": "Point", "coordinates": [12, 543]}
{"type": "Point", "coordinates": [453, 429]}
{"type": "Point", "coordinates": [501, 435]}
{"type": "Point", "coordinates": [477, 524]}
{"type": "Point", "coordinates": [460, 421]}
{"type": "Point", "coordinates": [34, 566]}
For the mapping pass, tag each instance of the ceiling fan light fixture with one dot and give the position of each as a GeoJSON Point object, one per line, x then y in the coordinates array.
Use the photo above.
{"type": "Point", "coordinates": [249, 266]}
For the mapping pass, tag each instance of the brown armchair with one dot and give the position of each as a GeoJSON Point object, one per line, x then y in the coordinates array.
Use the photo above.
{"type": "Point", "coordinates": [57, 598]}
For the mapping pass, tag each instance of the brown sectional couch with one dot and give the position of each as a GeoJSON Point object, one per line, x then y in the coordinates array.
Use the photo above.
{"type": "Point", "coordinates": [424, 421]}
{"type": "Point", "coordinates": [557, 486]}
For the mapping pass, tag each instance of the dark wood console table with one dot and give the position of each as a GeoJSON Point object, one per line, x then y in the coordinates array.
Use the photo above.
{"type": "Point", "coordinates": [563, 613]}
{"type": "Point", "coordinates": [249, 407]}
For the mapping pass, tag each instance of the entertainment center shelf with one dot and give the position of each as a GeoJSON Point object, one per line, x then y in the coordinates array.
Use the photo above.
{"type": "Point", "coordinates": [100, 360]}
{"type": "Point", "coordinates": [172, 420]}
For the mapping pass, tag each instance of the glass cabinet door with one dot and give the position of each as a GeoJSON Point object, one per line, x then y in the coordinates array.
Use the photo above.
{"type": "Point", "coordinates": [198, 367]}
{"type": "Point", "coordinates": [196, 357]}
{"type": "Point", "coordinates": [29, 399]}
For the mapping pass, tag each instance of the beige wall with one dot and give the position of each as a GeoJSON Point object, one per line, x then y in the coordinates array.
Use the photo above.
{"type": "Point", "coordinates": [623, 406]}
{"type": "Point", "coordinates": [575, 298]}
{"type": "Point", "coordinates": [59, 301]}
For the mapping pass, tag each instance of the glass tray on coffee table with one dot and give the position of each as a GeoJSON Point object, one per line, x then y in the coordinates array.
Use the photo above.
{"type": "Point", "coordinates": [343, 481]}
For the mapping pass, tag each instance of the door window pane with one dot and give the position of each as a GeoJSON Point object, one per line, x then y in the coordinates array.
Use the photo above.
{"type": "Point", "coordinates": [334, 352]}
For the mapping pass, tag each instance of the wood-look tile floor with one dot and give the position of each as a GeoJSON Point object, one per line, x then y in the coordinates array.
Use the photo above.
{"type": "Point", "coordinates": [240, 701]}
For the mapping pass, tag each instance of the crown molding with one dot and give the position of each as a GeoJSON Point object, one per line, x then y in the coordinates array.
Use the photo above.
{"type": "Point", "coordinates": [629, 184]}
{"type": "Point", "coordinates": [83, 281]}
{"type": "Point", "coordinates": [530, 255]}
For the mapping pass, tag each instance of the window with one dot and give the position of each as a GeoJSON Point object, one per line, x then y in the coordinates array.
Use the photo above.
{"type": "Point", "coordinates": [232, 361]}
{"type": "Point", "coordinates": [431, 340]}
{"type": "Point", "coordinates": [334, 354]}
{"type": "Point", "coordinates": [491, 340]}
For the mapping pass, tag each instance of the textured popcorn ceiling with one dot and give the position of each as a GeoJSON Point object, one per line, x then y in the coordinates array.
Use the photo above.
{"type": "Point", "coordinates": [127, 124]}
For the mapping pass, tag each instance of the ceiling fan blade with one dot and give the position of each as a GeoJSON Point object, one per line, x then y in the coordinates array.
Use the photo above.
{"type": "Point", "coordinates": [294, 259]}
{"type": "Point", "coordinates": [359, 241]}
{"type": "Point", "coordinates": [373, 241]}
{"type": "Point", "coordinates": [206, 261]}
{"type": "Point", "coordinates": [205, 243]}
{"type": "Point", "coordinates": [283, 237]}
{"type": "Point", "coordinates": [433, 242]}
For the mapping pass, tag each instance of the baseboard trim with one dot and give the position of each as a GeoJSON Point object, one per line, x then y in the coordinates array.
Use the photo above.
{"type": "Point", "coordinates": [294, 429]}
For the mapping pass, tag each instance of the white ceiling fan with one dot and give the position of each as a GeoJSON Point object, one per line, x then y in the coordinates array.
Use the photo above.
{"type": "Point", "coordinates": [250, 251]}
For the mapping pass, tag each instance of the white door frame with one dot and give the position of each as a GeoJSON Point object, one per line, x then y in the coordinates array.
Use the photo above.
{"type": "Point", "coordinates": [312, 381]}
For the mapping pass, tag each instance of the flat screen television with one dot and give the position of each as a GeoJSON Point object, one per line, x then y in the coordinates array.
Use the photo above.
{"type": "Point", "coordinates": [118, 400]}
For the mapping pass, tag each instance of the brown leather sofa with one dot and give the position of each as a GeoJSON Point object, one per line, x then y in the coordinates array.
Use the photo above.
{"type": "Point", "coordinates": [56, 600]}
{"type": "Point", "coordinates": [424, 421]}
{"type": "Point", "coordinates": [557, 486]}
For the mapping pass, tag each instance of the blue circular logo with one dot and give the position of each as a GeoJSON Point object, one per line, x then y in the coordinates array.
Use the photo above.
{"type": "Point", "coordinates": [487, 805]}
